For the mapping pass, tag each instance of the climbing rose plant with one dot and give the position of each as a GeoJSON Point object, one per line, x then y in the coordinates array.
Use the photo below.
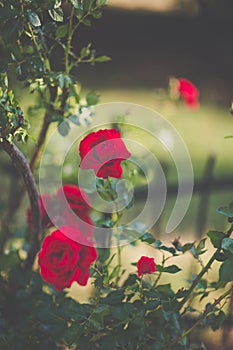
{"type": "Point", "coordinates": [126, 310]}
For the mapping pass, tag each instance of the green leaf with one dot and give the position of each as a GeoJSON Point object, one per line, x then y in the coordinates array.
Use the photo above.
{"type": "Point", "coordinates": [114, 297]}
{"type": "Point", "coordinates": [227, 244]}
{"type": "Point", "coordinates": [92, 98]}
{"type": "Point", "coordinates": [217, 320]}
{"type": "Point", "coordinates": [86, 22]}
{"type": "Point", "coordinates": [96, 322]}
{"type": "Point", "coordinates": [63, 128]}
{"type": "Point", "coordinates": [187, 246]}
{"type": "Point", "coordinates": [201, 245]}
{"type": "Point", "coordinates": [33, 18]}
{"type": "Point", "coordinates": [164, 288]}
{"type": "Point", "coordinates": [62, 31]}
{"type": "Point", "coordinates": [102, 309]}
{"type": "Point", "coordinates": [216, 238]}
{"type": "Point", "coordinates": [103, 254]}
{"type": "Point", "coordinates": [102, 3]}
{"type": "Point", "coordinates": [86, 51]}
{"type": "Point", "coordinates": [147, 237]}
{"type": "Point", "coordinates": [7, 261]}
{"type": "Point", "coordinates": [56, 14]}
{"type": "Point", "coordinates": [227, 211]}
{"type": "Point", "coordinates": [72, 334]}
{"type": "Point", "coordinates": [226, 270]}
{"type": "Point", "coordinates": [88, 4]}
{"type": "Point", "coordinates": [168, 269]}
{"type": "Point", "coordinates": [152, 304]}
{"type": "Point", "coordinates": [77, 4]}
{"type": "Point", "coordinates": [74, 119]}
{"type": "Point", "coordinates": [102, 59]}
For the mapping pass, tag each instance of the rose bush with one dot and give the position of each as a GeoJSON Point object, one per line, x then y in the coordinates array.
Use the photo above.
{"type": "Point", "coordinates": [125, 310]}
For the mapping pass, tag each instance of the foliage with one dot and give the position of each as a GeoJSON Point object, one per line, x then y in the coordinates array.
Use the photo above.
{"type": "Point", "coordinates": [127, 310]}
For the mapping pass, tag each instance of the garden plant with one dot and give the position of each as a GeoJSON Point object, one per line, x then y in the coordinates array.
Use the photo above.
{"type": "Point", "coordinates": [67, 239]}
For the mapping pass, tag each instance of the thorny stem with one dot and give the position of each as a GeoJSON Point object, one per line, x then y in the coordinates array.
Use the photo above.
{"type": "Point", "coordinates": [22, 165]}
{"type": "Point", "coordinates": [201, 274]}
{"type": "Point", "coordinates": [203, 316]}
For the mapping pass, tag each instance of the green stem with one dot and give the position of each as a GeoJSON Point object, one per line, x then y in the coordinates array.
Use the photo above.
{"type": "Point", "coordinates": [159, 275]}
{"type": "Point", "coordinates": [68, 43]}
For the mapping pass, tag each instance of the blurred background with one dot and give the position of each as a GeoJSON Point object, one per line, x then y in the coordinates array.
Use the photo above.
{"type": "Point", "coordinates": [150, 41]}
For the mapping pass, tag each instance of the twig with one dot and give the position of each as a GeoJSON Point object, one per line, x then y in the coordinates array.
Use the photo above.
{"type": "Point", "coordinates": [203, 316]}
{"type": "Point", "coordinates": [23, 167]}
{"type": "Point", "coordinates": [201, 274]}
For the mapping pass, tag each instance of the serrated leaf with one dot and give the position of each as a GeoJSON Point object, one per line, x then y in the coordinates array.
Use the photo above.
{"type": "Point", "coordinates": [64, 128]}
{"type": "Point", "coordinates": [33, 18]}
{"type": "Point", "coordinates": [227, 244]}
{"type": "Point", "coordinates": [62, 31]}
{"type": "Point", "coordinates": [102, 59]}
{"type": "Point", "coordinates": [168, 269]}
{"type": "Point", "coordinates": [216, 238]}
{"type": "Point", "coordinates": [56, 14]}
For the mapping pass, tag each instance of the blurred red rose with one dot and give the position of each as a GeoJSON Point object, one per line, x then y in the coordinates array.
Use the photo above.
{"type": "Point", "coordinates": [188, 92]}
{"type": "Point", "coordinates": [103, 151]}
{"type": "Point", "coordinates": [45, 199]}
{"type": "Point", "coordinates": [63, 261]}
{"type": "Point", "coordinates": [146, 265]}
{"type": "Point", "coordinates": [77, 199]}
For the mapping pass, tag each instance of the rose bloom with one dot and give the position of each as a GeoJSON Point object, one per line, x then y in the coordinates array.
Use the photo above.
{"type": "Point", "coordinates": [45, 220]}
{"type": "Point", "coordinates": [188, 92]}
{"type": "Point", "coordinates": [146, 265]}
{"type": "Point", "coordinates": [103, 151]}
{"type": "Point", "coordinates": [63, 261]}
{"type": "Point", "coordinates": [77, 200]}
{"type": "Point", "coordinates": [67, 199]}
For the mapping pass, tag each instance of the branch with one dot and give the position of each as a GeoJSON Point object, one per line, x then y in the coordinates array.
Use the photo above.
{"type": "Point", "coordinates": [201, 274]}
{"type": "Point", "coordinates": [23, 167]}
{"type": "Point", "coordinates": [203, 316]}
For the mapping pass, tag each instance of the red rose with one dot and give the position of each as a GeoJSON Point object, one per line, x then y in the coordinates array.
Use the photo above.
{"type": "Point", "coordinates": [63, 261]}
{"type": "Point", "coordinates": [78, 201]}
{"type": "Point", "coordinates": [103, 151]}
{"type": "Point", "coordinates": [45, 199]}
{"type": "Point", "coordinates": [188, 92]}
{"type": "Point", "coordinates": [145, 265]}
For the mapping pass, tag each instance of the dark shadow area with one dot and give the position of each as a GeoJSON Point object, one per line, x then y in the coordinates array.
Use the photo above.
{"type": "Point", "coordinates": [147, 48]}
